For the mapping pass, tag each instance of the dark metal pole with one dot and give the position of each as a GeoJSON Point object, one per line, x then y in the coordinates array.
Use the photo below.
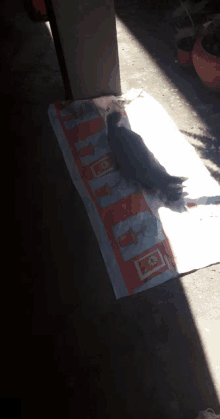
{"type": "Point", "coordinates": [85, 39]}
{"type": "Point", "coordinates": [59, 50]}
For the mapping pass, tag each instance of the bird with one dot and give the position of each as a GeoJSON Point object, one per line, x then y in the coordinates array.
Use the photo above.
{"type": "Point", "coordinates": [137, 164]}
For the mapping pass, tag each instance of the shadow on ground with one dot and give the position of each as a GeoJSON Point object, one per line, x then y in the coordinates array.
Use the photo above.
{"type": "Point", "coordinates": [79, 351]}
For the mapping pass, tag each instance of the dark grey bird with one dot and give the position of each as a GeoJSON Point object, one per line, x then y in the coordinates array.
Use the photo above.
{"type": "Point", "coordinates": [137, 164]}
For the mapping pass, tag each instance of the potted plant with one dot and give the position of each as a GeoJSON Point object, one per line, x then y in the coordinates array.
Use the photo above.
{"type": "Point", "coordinates": [185, 43]}
{"type": "Point", "coordinates": [187, 35]}
{"type": "Point", "coordinates": [206, 54]}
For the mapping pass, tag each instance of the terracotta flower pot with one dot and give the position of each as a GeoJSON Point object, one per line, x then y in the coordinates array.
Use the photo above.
{"type": "Point", "coordinates": [184, 50]}
{"type": "Point", "coordinates": [185, 57]}
{"type": "Point", "coordinates": [206, 65]}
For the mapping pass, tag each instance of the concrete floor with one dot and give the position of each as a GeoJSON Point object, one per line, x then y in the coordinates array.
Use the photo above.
{"type": "Point", "coordinates": [152, 355]}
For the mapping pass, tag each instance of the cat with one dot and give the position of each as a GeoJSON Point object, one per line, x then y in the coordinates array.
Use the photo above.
{"type": "Point", "coordinates": [137, 164]}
